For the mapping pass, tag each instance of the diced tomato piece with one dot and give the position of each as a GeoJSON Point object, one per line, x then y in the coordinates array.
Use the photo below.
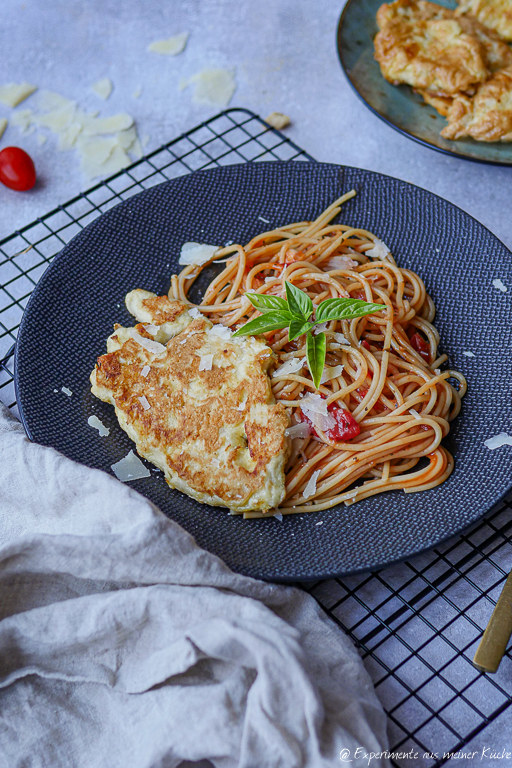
{"type": "Point", "coordinates": [365, 345]}
{"type": "Point", "coordinates": [346, 426]}
{"type": "Point", "coordinates": [421, 346]}
{"type": "Point", "coordinates": [360, 295]}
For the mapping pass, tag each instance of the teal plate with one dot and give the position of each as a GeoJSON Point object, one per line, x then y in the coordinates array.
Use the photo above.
{"type": "Point", "coordinates": [399, 106]}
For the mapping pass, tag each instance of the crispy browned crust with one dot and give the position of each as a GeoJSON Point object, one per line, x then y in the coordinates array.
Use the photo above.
{"type": "Point", "coordinates": [440, 103]}
{"type": "Point", "coordinates": [487, 116]}
{"type": "Point", "coordinates": [495, 14]}
{"type": "Point", "coordinates": [217, 434]}
{"type": "Point", "coordinates": [426, 46]}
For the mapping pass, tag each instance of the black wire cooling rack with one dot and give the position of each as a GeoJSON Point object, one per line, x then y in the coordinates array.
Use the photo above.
{"type": "Point", "coordinates": [417, 624]}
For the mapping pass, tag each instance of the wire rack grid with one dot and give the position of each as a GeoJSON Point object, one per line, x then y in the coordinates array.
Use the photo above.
{"type": "Point", "coordinates": [416, 623]}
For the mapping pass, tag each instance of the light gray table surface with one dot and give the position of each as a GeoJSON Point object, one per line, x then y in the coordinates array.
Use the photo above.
{"type": "Point", "coordinates": [284, 53]}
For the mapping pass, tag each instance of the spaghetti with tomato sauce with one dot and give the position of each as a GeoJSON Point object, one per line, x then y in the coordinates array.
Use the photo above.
{"type": "Point", "coordinates": [384, 404]}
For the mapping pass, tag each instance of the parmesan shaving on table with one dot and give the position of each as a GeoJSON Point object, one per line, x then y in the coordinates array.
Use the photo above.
{"type": "Point", "coordinates": [172, 46]}
{"type": "Point", "coordinates": [278, 120]}
{"type": "Point", "coordinates": [13, 94]}
{"type": "Point", "coordinates": [214, 87]}
{"type": "Point", "coordinates": [103, 88]}
{"type": "Point", "coordinates": [498, 441]}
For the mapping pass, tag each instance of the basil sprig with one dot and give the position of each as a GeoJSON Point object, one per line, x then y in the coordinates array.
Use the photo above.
{"type": "Point", "coordinates": [295, 313]}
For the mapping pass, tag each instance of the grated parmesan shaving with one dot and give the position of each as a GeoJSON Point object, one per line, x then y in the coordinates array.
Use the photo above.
{"type": "Point", "coordinates": [196, 253]}
{"type": "Point", "coordinates": [144, 372]}
{"type": "Point", "coordinates": [95, 423]}
{"type": "Point", "coordinates": [265, 221]}
{"type": "Point", "coordinates": [130, 468]}
{"type": "Point", "coordinates": [195, 313]}
{"type": "Point", "coordinates": [379, 250]}
{"type": "Point", "coordinates": [331, 373]}
{"type": "Point", "coordinates": [437, 371]}
{"type": "Point", "coordinates": [290, 366]}
{"type": "Point", "coordinates": [103, 88]}
{"type": "Point", "coordinates": [66, 391]}
{"type": "Point", "coordinates": [154, 347]}
{"type": "Point", "coordinates": [269, 279]}
{"type": "Point", "coordinates": [215, 461]}
{"type": "Point", "coordinates": [320, 328]}
{"type": "Point", "coordinates": [144, 402]}
{"type": "Point", "coordinates": [13, 94]}
{"type": "Point", "coordinates": [172, 46]}
{"type": "Point", "coordinates": [498, 441]}
{"type": "Point", "coordinates": [206, 362]}
{"type": "Point", "coordinates": [298, 431]}
{"type": "Point", "coordinates": [315, 408]}
{"type": "Point", "coordinates": [278, 515]}
{"type": "Point", "coordinates": [212, 86]}
{"type": "Point", "coordinates": [468, 354]}
{"type": "Point", "coordinates": [414, 413]}
{"type": "Point", "coordinates": [341, 338]}
{"type": "Point", "coordinates": [152, 329]}
{"type": "Point", "coordinates": [3, 126]}
{"type": "Point", "coordinates": [220, 331]}
{"type": "Point", "coordinates": [320, 522]}
{"type": "Point", "coordinates": [499, 285]}
{"type": "Point", "coordinates": [310, 488]}
{"type": "Point", "coordinates": [341, 262]}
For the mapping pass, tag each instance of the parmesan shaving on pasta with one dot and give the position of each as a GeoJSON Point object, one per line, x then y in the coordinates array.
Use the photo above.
{"type": "Point", "coordinates": [196, 253]}
{"type": "Point", "coordinates": [341, 338]}
{"type": "Point", "coordinates": [144, 402]}
{"type": "Point", "coordinates": [298, 431]}
{"type": "Point", "coordinates": [290, 366]}
{"type": "Point", "coordinates": [152, 329]}
{"type": "Point", "coordinates": [379, 251]}
{"type": "Point", "coordinates": [310, 488]}
{"type": "Point", "coordinates": [315, 408]}
{"type": "Point", "coordinates": [341, 262]}
{"type": "Point", "coordinates": [331, 373]}
{"type": "Point", "coordinates": [145, 370]}
{"type": "Point", "coordinates": [195, 313]}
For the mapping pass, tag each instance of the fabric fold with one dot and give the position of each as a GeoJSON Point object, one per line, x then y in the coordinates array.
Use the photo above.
{"type": "Point", "coordinates": [122, 643]}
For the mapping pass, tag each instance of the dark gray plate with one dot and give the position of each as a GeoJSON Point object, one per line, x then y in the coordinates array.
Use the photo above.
{"type": "Point", "coordinates": [136, 245]}
{"type": "Point", "coordinates": [399, 106]}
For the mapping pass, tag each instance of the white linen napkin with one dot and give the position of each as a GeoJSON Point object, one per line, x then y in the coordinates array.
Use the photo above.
{"type": "Point", "coordinates": [124, 645]}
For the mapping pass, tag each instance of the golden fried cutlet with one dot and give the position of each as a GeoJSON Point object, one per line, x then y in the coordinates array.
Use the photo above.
{"type": "Point", "coordinates": [487, 116]}
{"type": "Point", "coordinates": [441, 103]}
{"type": "Point", "coordinates": [197, 403]}
{"type": "Point", "coordinates": [495, 14]}
{"type": "Point", "coordinates": [424, 45]}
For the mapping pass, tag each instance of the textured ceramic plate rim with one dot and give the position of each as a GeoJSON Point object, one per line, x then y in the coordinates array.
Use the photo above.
{"type": "Point", "coordinates": [414, 550]}
{"type": "Point", "coordinates": [389, 121]}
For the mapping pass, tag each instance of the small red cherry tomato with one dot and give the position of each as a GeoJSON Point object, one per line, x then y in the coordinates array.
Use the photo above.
{"type": "Point", "coordinates": [17, 169]}
{"type": "Point", "coordinates": [420, 345]}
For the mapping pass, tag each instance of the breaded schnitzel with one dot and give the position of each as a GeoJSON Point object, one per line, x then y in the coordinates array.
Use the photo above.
{"type": "Point", "coordinates": [197, 403]}
{"type": "Point", "coordinates": [495, 14]}
{"type": "Point", "coordinates": [487, 116]}
{"type": "Point", "coordinates": [426, 46]}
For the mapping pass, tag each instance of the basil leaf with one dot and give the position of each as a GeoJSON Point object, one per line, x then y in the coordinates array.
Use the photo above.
{"type": "Point", "coordinates": [297, 327]}
{"type": "Point", "coordinates": [299, 303]}
{"type": "Point", "coordinates": [345, 309]}
{"type": "Point", "coordinates": [271, 321]}
{"type": "Point", "coordinates": [316, 347]}
{"type": "Point", "coordinates": [265, 303]}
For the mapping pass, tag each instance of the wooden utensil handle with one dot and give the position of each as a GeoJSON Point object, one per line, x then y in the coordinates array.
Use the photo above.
{"type": "Point", "coordinates": [496, 636]}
